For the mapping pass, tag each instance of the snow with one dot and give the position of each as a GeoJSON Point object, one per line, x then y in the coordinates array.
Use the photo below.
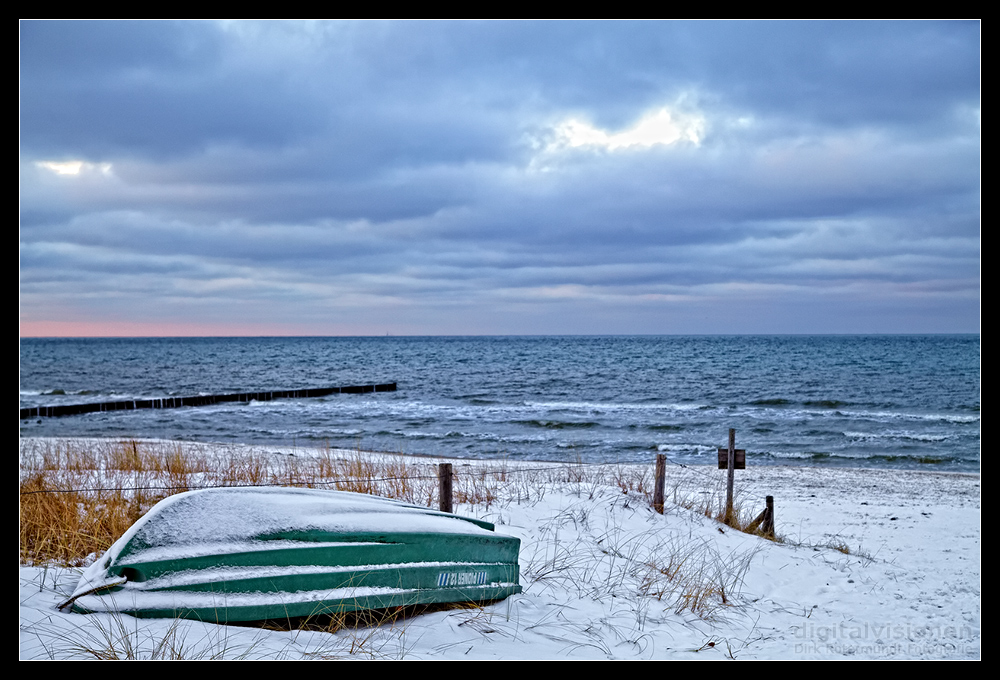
{"type": "Point", "coordinates": [196, 517]}
{"type": "Point", "coordinates": [592, 568]}
{"type": "Point", "coordinates": [220, 521]}
{"type": "Point", "coordinates": [135, 598]}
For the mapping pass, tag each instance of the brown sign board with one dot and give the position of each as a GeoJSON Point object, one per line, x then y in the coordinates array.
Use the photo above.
{"type": "Point", "coordinates": [739, 464]}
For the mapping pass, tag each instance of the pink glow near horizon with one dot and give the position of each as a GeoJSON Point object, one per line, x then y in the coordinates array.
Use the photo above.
{"type": "Point", "coordinates": [138, 329]}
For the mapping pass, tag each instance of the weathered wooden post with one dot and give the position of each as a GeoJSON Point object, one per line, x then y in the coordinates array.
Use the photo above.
{"type": "Point", "coordinates": [731, 459]}
{"type": "Point", "coordinates": [444, 487]}
{"type": "Point", "coordinates": [730, 468]}
{"type": "Point", "coordinates": [765, 520]}
{"type": "Point", "coordinates": [661, 473]}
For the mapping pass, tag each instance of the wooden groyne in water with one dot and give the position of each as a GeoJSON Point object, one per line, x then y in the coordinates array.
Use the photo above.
{"type": "Point", "coordinates": [202, 400]}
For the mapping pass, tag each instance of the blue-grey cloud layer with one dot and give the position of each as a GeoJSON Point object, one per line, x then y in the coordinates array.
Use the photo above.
{"type": "Point", "coordinates": [407, 177]}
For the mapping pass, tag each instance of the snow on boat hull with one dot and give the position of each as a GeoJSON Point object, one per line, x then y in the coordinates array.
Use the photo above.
{"type": "Point", "coordinates": [231, 555]}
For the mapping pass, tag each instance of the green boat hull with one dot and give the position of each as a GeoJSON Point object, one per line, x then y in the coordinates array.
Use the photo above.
{"type": "Point", "coordinates": [236, 555]}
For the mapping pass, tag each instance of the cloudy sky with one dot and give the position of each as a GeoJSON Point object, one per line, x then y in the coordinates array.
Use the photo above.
{"type": "Point", "coordinates": [278, 178]}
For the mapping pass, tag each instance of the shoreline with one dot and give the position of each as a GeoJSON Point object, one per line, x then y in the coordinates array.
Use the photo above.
{"type": "Point", "coordinates": [295, 448]}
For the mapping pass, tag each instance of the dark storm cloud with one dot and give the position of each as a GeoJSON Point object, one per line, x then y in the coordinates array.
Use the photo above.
{"type": "Point", "coordinates": [841, 73]}
{"type": "Point", "coordinates": [147, 89]}
{"type": "Point", "coordinates": [427, 171]}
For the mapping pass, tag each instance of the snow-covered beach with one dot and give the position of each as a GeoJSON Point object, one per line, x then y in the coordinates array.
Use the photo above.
{"type": "Point", "coordinates": [874, 564]}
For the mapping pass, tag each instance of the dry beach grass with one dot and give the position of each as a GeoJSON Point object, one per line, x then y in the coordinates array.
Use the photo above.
{"type": "Point", "coordinates": [78, 497]}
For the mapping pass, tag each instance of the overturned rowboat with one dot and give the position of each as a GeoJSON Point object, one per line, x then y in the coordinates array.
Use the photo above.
{"type": "Point", "coordinates": [253, 554]}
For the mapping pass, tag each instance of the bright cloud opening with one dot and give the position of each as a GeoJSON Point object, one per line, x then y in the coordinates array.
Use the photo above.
{"type": "Point", "coordinates": [660, 127]}
{"type": "Point", "coordinates": [74, 167]}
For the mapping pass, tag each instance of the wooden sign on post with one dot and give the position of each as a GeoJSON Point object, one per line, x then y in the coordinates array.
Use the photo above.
{"type": "Point", "coordinates": [741, 459]}
{"type": "Point", "coordinates": [730, 459]}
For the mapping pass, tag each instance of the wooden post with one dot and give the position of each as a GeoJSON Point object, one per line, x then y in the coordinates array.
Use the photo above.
{"type": "Point", "coordinates": [444, 487]}
{"type": "Point", "coordinates": [661, 473]}
{"type": "Point", "coordinates": [754, 524]}
{"type": "Point", "coordinates": [731, 466]}
{"type": "Point", "coordinates": [765, 520]}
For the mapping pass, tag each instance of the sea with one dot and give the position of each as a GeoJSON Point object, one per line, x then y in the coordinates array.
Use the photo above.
{"type": "Point", "coordinates": [872, 401]}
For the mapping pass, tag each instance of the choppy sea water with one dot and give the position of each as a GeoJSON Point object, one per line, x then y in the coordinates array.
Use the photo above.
{"type": "Point", "coordinates": [869, 401]}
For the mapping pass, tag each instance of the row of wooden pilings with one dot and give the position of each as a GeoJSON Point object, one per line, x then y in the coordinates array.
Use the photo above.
{"type": "Point", "coordinates": [199, 400]}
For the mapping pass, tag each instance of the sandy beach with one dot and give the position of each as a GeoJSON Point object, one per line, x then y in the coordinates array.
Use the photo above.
{"type": "Point", "coordinates": [873, 564]}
